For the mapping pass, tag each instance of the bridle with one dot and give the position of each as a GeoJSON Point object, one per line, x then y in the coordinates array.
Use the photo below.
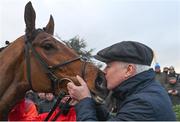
{"type": "Point", "coordinates": [48, 69]}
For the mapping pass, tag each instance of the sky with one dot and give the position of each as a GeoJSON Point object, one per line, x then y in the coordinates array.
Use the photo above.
{"type": "Point", "coordinates": [102, 23]}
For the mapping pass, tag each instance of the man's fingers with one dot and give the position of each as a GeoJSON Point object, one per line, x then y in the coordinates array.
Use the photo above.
{"type": "Point", "coordinates": [81, 81]}
{"type": "Point", "coordinates": [70, 85]}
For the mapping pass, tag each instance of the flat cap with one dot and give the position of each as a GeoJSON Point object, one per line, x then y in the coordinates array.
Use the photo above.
{"type": "Point", "coordinates": [126, 51]}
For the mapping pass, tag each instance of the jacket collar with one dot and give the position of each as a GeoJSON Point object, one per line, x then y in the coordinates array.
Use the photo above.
{"type": "Point", "coordinates": [134, 84]}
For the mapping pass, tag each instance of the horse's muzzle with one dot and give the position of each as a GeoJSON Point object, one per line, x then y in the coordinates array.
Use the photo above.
{"type": "Point", "coordinates": [101, 85]}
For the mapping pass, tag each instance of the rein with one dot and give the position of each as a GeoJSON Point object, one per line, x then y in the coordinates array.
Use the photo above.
{"type": "Point", "coordinates": [48, 69]}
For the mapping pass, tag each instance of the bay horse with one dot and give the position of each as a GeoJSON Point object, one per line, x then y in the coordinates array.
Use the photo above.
{"type": "Point", "coordinates": [38, 61]}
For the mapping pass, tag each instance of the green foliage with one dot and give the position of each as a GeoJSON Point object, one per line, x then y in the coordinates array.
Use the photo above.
{"type": "Point", "coordinates": [79, 45]}
{"type": "Point", "coordinates": [177, 111]}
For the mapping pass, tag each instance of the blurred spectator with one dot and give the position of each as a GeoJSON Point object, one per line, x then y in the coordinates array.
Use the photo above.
{"type": "Point", "coordinates": [174, 90]}
{"type": "Point", "coordinates": [159, 76]}
{"type": "Point", "coordinates": [23, 110]}
{"type": "Point", "coordinates": [157, 68]}
{"type": "Point", "coordinates": [41, 97]}
{"type": "Point", "coordinates": [165, 70]}
{"type": "Point", "coordinates": [172, 73]}
{"type": "Point", "coordinates": [165, 76]}
{"type": "Point", "coordinates": [47, 104]}
{"type": "Point", "coordinates": [31, 96]}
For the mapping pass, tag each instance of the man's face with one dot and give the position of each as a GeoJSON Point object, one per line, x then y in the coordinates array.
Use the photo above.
{"type": "Point", "coordinates": [171, 70]}
{"type": "Point", "coordinates": [165, 70]}
{"type": "Point", "coordinates": [115, 74]}
{"type": "Point", "coordinates": [49, 96]}
{"type": "Point", "coordinates": [41, 95]}
{"type": "Point", "coordinates": [157, 70]}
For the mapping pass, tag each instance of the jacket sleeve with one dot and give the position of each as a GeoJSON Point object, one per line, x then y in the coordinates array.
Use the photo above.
{"type": "Point", "coordinates": [88, 110]}
{"type": "Point", "coordinates": [133, 110]}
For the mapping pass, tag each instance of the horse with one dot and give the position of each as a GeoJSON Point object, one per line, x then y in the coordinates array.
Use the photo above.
{"type": "Point", "coordinates": [38, 61]}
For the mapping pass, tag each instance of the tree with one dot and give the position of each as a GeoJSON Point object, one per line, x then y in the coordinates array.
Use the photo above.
{"type": "Point", "coordinates": [79, 45]}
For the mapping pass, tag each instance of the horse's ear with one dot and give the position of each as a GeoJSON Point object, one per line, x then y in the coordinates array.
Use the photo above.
{"type": "Point", "coordinates": [50, 26]}
{"type": "Point", "coordinates": [29, 17]}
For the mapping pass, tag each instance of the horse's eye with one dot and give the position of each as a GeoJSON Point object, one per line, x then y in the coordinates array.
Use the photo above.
{"type": "Point", "coordinates": [48, 46]}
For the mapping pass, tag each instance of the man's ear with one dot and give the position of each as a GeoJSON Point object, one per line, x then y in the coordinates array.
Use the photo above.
{"type": "Point", "coordinates": [130, 70]}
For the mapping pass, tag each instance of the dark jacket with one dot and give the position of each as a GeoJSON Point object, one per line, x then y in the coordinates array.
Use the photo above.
{"type": "Point", "coordinates": [45, 106]}
{"type": "Point", "coordinates": [162, 77]}
{"type": "Point", "coordinates": [174, 98]}
{"type": "Point", "coordinates": [139, 98]}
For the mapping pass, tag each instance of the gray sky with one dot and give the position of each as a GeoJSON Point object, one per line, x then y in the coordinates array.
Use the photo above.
{"type": "Point", "coordinates": [102, 23]}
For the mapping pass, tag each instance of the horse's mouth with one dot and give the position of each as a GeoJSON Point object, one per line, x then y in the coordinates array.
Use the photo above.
{"type": "Point", "coordinates": [98, 99]}
{"type": "Point", "coordinates": [101, 87]}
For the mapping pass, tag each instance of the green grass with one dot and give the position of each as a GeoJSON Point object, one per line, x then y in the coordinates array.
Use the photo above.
{"type": "Point", "coordinates": [177, 111]}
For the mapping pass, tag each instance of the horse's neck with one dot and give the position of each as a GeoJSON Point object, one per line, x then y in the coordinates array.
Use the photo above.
{"type": "Point", "coordinates": [10, 59]}
{"type": "Point", "coordinates": [12, 85]}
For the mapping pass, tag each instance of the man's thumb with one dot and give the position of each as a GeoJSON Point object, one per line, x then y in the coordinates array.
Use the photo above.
{"type": "Point", "coordinates": [81, 81]}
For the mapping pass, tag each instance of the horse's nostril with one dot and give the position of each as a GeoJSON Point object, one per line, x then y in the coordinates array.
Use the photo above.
{"type": "Point", "coordinates": [100, 81]}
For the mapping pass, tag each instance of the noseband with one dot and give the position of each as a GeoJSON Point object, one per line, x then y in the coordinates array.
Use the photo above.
{"type": "Point", "coordinates": [48, 69]}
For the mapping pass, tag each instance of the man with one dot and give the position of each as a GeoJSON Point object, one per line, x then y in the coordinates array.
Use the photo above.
{"type": "Point", "coordinates": [172, 73]}
{"type": "Point", "coordinates": [25, 110]}
{"type": "Point", "coordinates": [41, 97]}
{"type": "Point", "coordinates": [47, 104]}
{"type": "Point", "coordinates": [165, 76]}
{"type": "Point", "coordinates": [159, 76]}
{"type": "Point", "coordinates": [130, 78]}
{"type": "Point", "coordinates": [173, 87]}
{"type": "Point", "coordinates": [174, 90]}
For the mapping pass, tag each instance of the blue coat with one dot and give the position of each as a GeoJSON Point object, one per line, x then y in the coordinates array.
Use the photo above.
{"type": "Point", "coordinates": [139, 98]}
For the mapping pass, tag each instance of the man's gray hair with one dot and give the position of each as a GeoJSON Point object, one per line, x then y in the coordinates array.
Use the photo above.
{"type": "Point", "coordinates": [138, 67]}
{"type": "Point", "coordinates": [141, 68]}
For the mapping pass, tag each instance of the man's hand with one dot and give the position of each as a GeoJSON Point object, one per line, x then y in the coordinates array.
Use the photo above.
{"type": "Point", "coordinates": [174, 92]}
{"type": "Point", "coordinates": [78, 92]}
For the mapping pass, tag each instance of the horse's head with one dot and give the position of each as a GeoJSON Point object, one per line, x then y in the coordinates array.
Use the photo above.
{"type": "Point", "coordinates": [50, 64]}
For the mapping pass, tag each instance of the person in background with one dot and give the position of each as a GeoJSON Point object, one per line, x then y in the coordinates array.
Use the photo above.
{"type": "Point", "coordinates": [47, 104]}
{"type": "Point", "coordinates": [129, 76]}
{"type": "Point", "coordinates": [41, 97]}
{"type": "Point", "coordinates": [172, 73]}
{"type": "Point", "coordinates": [31, 96]}
{"type": "Point", "coordinates": [24, 110]}
{"type": "Point", "coordinates": [173, 86]}
{"type": "Point", "coordinates": [165, 70]}
{"type": "Point", "coordinates": [165, 76]}
{"type": "Point", "coordinates": [159, 75]}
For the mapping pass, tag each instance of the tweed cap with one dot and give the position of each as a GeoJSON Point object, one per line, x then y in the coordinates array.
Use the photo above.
{"type": "Point", "coordinates": [126, 51]}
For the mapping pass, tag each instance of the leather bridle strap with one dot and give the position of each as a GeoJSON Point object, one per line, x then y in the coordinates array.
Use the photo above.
{"type": "Point", "coordinates": [28, 63]}
{"type": "Point", "coordinates": [62, 109]}
{"type": "Point", "coordinates": [62, 94]}
{"type": "Point", "coordinates": [54, 67]}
